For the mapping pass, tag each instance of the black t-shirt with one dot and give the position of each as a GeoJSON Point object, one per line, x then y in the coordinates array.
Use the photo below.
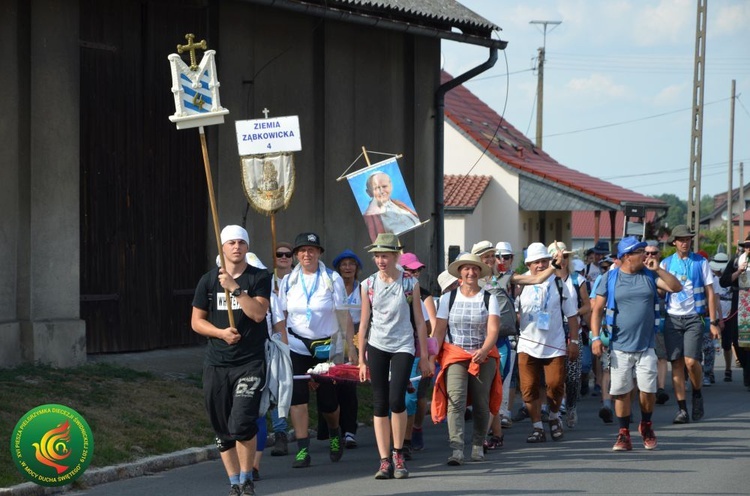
{"type": "Point", "coordinates": [210, 296]}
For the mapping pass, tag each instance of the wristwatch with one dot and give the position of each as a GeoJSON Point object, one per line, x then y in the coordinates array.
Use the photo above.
{"type": "Point", "coordinates": [237, 292]}
{"type": "Point", "coordinates": [574, 341]}
{"type": "Point", "coordinates": [715, 322]}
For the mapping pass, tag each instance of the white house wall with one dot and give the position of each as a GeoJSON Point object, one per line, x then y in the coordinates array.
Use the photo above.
{"type": "Point", "coordinates": [497, 216]}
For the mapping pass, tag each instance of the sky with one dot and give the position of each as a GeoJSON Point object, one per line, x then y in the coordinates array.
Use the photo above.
{"type": "Point", "coordinates": [618, 86]}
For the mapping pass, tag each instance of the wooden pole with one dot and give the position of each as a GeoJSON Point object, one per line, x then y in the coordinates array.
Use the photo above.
{"type": "Point", "coordinates": [367, 159]}
{"type": "Point", "coordinates": [273, 240]}
{"type": "Point", "coordinates": [215, 215]}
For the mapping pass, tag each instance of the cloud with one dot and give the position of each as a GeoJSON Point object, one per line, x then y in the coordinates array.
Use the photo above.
{"type": "Point", "coordinates": [730, 19]}
{"type": "Point", "coordinates": [668, 21]}
{"type": "Point", "coordinates": [597, 86]}
{"type": "Point", "coordinates": [674, 94]}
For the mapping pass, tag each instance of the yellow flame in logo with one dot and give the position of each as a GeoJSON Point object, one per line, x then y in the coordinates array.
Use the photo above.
{"type": "Point", "coordinates": [53, 448]}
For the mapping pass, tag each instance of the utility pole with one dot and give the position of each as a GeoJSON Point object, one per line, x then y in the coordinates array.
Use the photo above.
{"type": "Point", "coordinates": [696, 134]}
{"type": "Point", "coordinates": [741, 232]}
{"type": "Point", "coordinates": [540, 80]}
{"type": "Point", "coordinates": [730, 225]}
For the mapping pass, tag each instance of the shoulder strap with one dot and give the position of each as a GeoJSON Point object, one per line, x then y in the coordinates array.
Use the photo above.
{"type": "Point", "coordinates": [487, 297]}
{"type": "Point", "coordinates": [451, 299]}
{"type": "Point", "coordinates": [559, 284]}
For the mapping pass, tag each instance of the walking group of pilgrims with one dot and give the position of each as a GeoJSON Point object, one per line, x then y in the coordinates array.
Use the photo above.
{"type": "Point", "coordinates": [543, 328]}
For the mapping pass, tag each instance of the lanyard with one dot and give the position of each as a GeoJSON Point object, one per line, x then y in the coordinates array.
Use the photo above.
{"type": "Point", "coordinates": [308, 295]}
{"type": "Point", "coordinates": [546, 296]}
{"type": "Point", "coordinates": [352, 298]}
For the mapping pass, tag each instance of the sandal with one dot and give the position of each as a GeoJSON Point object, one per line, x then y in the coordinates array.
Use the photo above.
{"type": "Point", "coordinates": [555, 429]}
{"type": "Point", "coordinates": [727, 376]}
{"type": "Point", "coordinates": [537, 436]}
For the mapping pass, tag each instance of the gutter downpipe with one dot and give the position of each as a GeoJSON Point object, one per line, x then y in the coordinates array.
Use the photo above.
{"type": "Point", "coordinates": [440, 147]}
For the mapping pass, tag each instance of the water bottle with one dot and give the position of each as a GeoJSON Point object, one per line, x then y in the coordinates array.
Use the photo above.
{"type": "Point", "coordinates": [717, 346]}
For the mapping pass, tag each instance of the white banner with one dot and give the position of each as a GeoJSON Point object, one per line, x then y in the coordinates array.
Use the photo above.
{"type": "Point", "coordinates": [272, 135]}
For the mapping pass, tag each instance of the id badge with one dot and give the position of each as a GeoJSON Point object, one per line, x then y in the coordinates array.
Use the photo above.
{"type": "Point", "coordinates": [542, 322]}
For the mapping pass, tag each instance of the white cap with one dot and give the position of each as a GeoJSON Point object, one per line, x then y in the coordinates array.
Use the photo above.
{"type": "Point", "coordinates": [445, 280]}
{"type": "Point", "coordinates": [578, 265]}
{"type": "Point", "coordinates": [536, 251]}
{"type": "Point", "coordinates": [234, 232]}
{"type": "Point", "coordinates": [504, 248]}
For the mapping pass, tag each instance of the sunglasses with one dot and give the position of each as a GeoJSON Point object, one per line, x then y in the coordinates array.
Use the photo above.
{"type": "Point", "coordinates": [283, 254]}
{"type": "Point", "coordinates": [504, 257]}
{"type": "Point", "coordinates": [651, 253]}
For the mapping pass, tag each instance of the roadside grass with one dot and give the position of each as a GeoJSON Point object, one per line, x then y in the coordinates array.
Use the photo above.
{"type": "Point", "coordinates": [132, 414]}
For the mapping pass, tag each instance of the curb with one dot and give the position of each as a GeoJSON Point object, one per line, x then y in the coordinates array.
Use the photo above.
{"type": "Point", "coordinates": [96, 476]}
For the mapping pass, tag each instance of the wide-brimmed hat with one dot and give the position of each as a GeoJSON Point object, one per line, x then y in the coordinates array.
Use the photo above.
{"type": "Point", "coordinates": [445, 279]}
{"type": "Point", "coordinates": [536, 251]}
{"type": "Point", "coordinates": [411, 262]}
{"type": "Point", "coordinates": [307, 239]}
{"type": "Point", "coordinates": [601, 247]}
{"type": "Point", "coordinates": [745, 243]}
{"type": "Point", "coordinates": [558, 245]}
{"type": "Point", "coordinates": [346, 254]}
{"type": "Point", "coordinates": [481, 248]}
{"type": "Point", "coordinates": [386, 242]}
{"type": "Point", "coordinates": [719, 262]}
{"type": "Point", "coordinates": [629, 245]}
{"type": "Point", "coordinates": [454, 269]}
{"type": "Point", "coordinates": [503, 248]}
{"type": "Point", "coordinates": [680, 231]}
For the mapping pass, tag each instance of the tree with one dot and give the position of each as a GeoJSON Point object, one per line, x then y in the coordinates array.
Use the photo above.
{"type": "Point", "coordinates": [677, 213]}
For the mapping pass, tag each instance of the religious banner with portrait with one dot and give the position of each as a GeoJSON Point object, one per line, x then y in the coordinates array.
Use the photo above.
{"type": "Point", "coordinates": [383, 199]}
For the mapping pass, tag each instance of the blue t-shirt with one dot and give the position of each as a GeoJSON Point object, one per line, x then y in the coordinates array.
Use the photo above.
{"type": "Point", "coordinates": [634, 318]}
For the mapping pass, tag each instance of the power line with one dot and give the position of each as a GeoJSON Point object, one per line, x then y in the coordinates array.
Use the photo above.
{"type": "Point", "coordinates": [501, 75]}
{"type": "Point", "coordinates": [613, 124]}
{"type": "Point", "coordinates": [670, 171]}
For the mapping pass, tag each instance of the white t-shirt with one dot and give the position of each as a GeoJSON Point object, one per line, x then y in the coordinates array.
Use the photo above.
{"type": "Point", "coordinates": [316, 296]}
{"type": "Point", "coordinates": [467, 319]}
{"type": "Point", "coordinates": [683, 303]}
{"type": "Point", "coordinates": [533, 302]}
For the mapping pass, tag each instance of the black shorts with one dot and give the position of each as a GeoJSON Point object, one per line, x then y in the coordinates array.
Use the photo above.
{"type": "Point", "coordinates": [326, 393]}
{"type": "Point", "coordinates": [232, 398]}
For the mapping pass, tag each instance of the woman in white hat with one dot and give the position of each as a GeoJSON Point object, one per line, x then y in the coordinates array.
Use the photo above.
{"type": "Point", "coordinates": [467, 328]}
{"type": "Point", "coordinates": [389, 349]}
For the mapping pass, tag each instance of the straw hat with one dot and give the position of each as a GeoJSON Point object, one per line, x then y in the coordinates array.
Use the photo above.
{"type": "Point", "coordinates": [454, 269]}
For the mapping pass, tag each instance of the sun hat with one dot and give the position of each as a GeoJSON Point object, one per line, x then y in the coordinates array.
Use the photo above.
{"type": "Point", "coordinates": [346, 254]}
{"type": "Point", "coordinates": [386, 242]}
{"type": "Point", "coordinates": [307, 239]}
{"type": "Point", "coordinates": [411, 262]}
{"type": "Point", "coordinates": [481, 248]}
{"type": "Point", "coordinates": [578, 265]}
{"type": "Point", "coordinates": [234, 232]}
{"type": "Point", "coordinates": [719, 262]}
{"type": "Point", "coordinates": [558, 245]}
{"type": "Point", "coordinates": [680, 231]}
{"type": "Point", "coordinates": [629, 245]}
{"type": "Point", "coordinates": [454, 269]}
{"type": "Point", "coordinates": [536, 251]}
{"type": "Point", "coordinates": [601, 247]}
{"type": "Point", "coordinates": [445, 279]}
{"type": "Point", "coordinates": [504, 248]}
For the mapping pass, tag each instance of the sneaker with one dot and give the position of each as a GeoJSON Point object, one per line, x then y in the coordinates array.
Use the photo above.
{"type": "Point", "coordinates": [386, 470]}
{"type": "Point", "coordinates": [417, 439]}
{"type": "Point", "coordinates": [661, 396]}
{"type": "Point", "coordinates": [537, 436]}
{"type": "Point", "coordinates": [681, 417]}
{"type": "Point", "coordinates": [623, 441]}
{"type": "Point", "coordinates": [457, 458]}
{"type": "Point", "coordinates": [727, 376]}
{"type": "Point", "coordinates": [336, 449]}
{"type": "Point", "coordinates": [712, 377]}
{"type": "Point", "coordinates": [706, 380]}
{"type": "Point", "coordinates": [280, 444]}
{"type": "Point", "coordinates": [522, 414]}
{"type": "Point", "coordinates": [555, 429]}
{"type": "Point", "coordinates": [302, 459]}
{"type": "Point", "coordinates": [494, 442]}
{"type": "Point", "coordinates": [571, 419]}
{"type": "Point", "coordinates": [606, 415]}
{"type": "Point", "coordinates": [506, 422]}
{"type": "Point", "coordinates": [235, 490]}
{"type": "Point", "coordinates": [406, 450]}
{"type": "Point", "coordinates": [256, 474]}
{"type": "Point", "coordinates": [477, 453]}
{"type": "Point", "coordinates": [697, 408]}
{"type": "Point", "coordinates": [399, 466]}
{"type": "Point", "coordinates": [350, 441]}
{"type": "Point", "coordinates": [248, 488]}
{"type": "Point", "coordinates": [648, 434]}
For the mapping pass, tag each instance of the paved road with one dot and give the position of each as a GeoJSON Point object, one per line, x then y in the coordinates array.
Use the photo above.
{"type": "Point", "coordinates": [707, 457]}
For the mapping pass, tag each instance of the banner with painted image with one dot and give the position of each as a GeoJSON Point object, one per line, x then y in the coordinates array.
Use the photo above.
{"type": "Point", "coordinates": [383, 199]}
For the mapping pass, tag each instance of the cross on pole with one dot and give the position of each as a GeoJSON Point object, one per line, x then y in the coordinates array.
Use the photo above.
{"type": "Point", "coordinates": [192, 47]}
{"type": "Point", "coordinates": [265, 113]}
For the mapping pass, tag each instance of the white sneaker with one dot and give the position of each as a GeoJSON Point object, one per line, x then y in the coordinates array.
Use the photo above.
{"type": "Point", "coordinates": [477, 453]}
{"type": "Point", "coordinates": [706, 380]}
{"type": "Point", "coordinates": [457, 458]}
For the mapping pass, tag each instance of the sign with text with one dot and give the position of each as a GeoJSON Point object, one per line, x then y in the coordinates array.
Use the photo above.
{"type": "Point", "coordinates": [273, 135]}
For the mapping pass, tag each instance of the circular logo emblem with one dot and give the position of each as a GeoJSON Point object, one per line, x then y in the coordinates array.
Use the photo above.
{"type": "Point", "coordinates": [52, 445]}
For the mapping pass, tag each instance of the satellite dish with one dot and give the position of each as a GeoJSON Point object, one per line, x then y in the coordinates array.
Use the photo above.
{"type": "Point", "coordinates": [724, 215]}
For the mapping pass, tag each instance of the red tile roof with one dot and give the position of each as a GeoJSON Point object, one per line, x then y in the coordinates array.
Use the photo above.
{"type": "Point", "coordinates": [464, 191]}
{"type": "Point", "coordinates": [510, 146]}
